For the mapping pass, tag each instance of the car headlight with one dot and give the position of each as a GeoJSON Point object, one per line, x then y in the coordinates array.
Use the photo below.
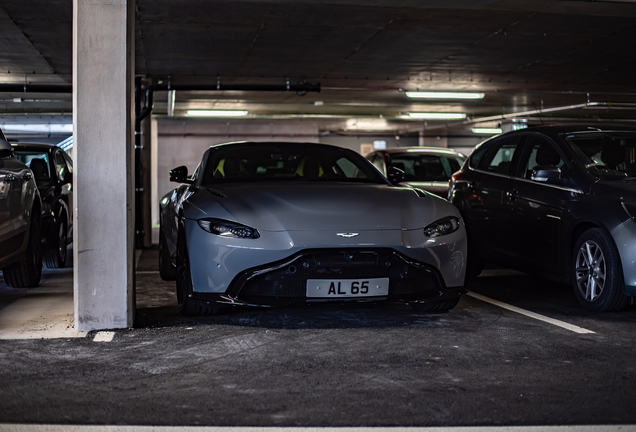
{"type": "Point", "coordinates": [442, 227]}
{"type": "Point", "coordinates": [228, 229]}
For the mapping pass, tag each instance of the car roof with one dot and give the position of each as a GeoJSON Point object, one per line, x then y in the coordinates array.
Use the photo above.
{"type": "Point", "coordinates": [400, 150]}
{"type": "Point", "coordinates": [33, 146]}
{"type": "Point", "coordinates": [554, 130]}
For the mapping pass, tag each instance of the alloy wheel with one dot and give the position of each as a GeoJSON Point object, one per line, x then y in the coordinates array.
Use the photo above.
{"type": "Point", "coordinates": [590, 270]}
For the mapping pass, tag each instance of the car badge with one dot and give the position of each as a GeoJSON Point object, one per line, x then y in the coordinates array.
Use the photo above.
{"type": "Point", "coordinates": [347, 235]}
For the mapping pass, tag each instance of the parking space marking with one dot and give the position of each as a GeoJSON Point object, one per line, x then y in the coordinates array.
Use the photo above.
{"type": "Point", "coordinates": [104, 336]}
{"type": "Point", "coordinates": [556, 322]}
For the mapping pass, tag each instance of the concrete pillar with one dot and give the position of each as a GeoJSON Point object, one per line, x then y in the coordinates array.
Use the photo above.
{"type": "Point", "coordinates": [103, 88]}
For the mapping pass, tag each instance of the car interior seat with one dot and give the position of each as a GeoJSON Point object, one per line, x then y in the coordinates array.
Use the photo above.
{"type": "Point", "coordinates": [309, 168]}
{"type": "Point", "coordinates": [612, 154]}
{"type": "Point", "coordinates": [40, 169]}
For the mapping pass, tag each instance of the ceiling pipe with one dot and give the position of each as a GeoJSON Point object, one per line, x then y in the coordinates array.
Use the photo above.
{"type": "Point", "coordinates": [301, 89]}
{"type": "Point", "coordinates": [601, 105]}
{"type": "Point", "coordinates": [36, 88]}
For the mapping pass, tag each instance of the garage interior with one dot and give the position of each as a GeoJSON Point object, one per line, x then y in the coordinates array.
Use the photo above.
{"type": "Point", "coordinates": [79, 72]}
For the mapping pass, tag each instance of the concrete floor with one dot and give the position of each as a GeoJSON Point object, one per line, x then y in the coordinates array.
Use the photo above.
{"type": "Point", "coordinates": [329, 365]}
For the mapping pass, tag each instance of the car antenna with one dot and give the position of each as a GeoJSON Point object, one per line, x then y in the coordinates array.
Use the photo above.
{"type": "Point", "coordinates": [538, 113]}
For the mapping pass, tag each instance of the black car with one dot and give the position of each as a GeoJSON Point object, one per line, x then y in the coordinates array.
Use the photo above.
{"type": "Point", "coordinates": [559, 201]}
{"type": "Point", "coordinates": [20, 216]}
{"type": "Point", "coordinates": [52, 169]}
{"type": "Point", "coordinates": [427, 168]}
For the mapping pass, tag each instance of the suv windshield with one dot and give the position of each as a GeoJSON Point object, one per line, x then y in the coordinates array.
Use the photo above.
{"type": "Point", "coordinates": [253, 162]}
{"type": "Point", "coordinates": [608, 155]}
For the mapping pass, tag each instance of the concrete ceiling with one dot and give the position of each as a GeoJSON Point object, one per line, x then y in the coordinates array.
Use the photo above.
{"type": "Point", "coordinates": [522, 54]}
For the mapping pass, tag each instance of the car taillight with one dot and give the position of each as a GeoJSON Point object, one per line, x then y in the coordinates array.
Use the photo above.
{"type": "Point", "coordinates": [454, 177]}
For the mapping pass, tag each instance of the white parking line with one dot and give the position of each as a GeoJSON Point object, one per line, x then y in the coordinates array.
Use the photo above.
{"type": "Point", "coordinates": [104, 336]}
{"type": "Point", "coordinates": [556, 322]}
{"type": "Point", "coordinates": [6, 427]}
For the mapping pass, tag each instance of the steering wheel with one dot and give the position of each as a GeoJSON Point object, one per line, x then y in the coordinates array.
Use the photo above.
{"type": "Point", "coordinates": [595, 164]}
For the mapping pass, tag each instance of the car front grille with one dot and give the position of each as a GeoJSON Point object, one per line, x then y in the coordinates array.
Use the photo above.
{"type": "Point", "coordinates": [288, 280]}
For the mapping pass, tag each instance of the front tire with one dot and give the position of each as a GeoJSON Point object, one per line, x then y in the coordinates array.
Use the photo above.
{"type": "Point", "coordinates": [28, 272]}
{"type": "Point", "coordinates": [56, 257]}
{"type": "Point", "coordinates": [187, 304]}
{"type": "Point", "coordinates": [596, 272]}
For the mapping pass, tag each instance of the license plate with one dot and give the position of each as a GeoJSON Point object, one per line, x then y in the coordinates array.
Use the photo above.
{"type": "Point", "coordinates": [346, 288]}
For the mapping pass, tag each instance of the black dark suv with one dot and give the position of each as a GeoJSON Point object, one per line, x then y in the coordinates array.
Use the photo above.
{"type": "Point", "coordinates": [52, 169]}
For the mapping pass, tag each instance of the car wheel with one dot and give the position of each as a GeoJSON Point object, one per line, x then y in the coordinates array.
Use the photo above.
{"type": "Point", "coordinates": [597, 276]}
{"type": "Point", "coordinates": [187, 304]}
{"type": "Point", "coordinates": [28, 272]}
{"type": "Point", "coordinates": [438, 306]}
{"type": "Point", "coordinates": [166, 270]}
{"type": "Point", "coordinates": [56, 257]}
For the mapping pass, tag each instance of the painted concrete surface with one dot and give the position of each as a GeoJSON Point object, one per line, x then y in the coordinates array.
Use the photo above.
{"type": "Point", "coordinates": [114, 428]}
{"type": "Point", "coordinates": [45, 312]}
{"type": "Point", "coordinates": [337, 365]}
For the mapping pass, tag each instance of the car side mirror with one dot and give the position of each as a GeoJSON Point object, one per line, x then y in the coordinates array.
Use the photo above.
{"type": "Point", "coordinates": [546, 174]}
{"type": "Point", "coordinates": [395, 175]}
{"type": "Point", "coordinates": [180, 175]}
{"type": "Point", "coordinates": [5, 148]}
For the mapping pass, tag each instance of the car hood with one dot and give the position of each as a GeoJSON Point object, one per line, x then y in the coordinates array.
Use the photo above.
{"type": "Point", "coordinates": [617, 190]}
{"type": "Point", "coordinates": [304, 206]}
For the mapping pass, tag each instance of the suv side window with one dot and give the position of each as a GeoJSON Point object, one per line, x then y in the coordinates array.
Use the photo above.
{"type": "Point", "coordinates": [60, 166]}
{"type": "Point", "coordinates": [499, 157]}
{"type": "Point", "coordinates": [539, 152]}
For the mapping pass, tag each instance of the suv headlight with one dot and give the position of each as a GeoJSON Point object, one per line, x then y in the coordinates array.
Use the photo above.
{"type": "Point", "coordinates": [228, 229]}
{"type": "Point", "coordinates": [442, 227]}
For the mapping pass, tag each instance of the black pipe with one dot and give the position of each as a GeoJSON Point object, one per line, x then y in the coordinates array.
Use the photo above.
{"type": "Point", "coordinates": [301, 89]}
{"type": "Point", "coordinates": [36, 88]}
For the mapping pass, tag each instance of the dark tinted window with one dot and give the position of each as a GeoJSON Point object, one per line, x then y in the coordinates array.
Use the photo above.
{"type": "Point", "coordinates": [607, 155]}
{"type": "Point", "coordinates": [476, 155]}
{"type": "Point", "coordinates": [427, 167]}
{"type": "Point", "coordinates": [541, 153]}
{"type": "Point", "coordinates": [499, 156]}
{"type": "Point", "coordinates": [251, 162]}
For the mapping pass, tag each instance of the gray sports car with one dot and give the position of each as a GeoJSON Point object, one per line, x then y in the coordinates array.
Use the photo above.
{"type": "Point", "coordinates": [261, 224]}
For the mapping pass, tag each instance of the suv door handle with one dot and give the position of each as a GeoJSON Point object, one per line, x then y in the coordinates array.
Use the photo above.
{"type": "Point", "coordinates": [512, 195]}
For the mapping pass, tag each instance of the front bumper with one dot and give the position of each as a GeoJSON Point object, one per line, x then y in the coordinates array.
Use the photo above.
{"type": "Point", "coordinates": [285, 281]}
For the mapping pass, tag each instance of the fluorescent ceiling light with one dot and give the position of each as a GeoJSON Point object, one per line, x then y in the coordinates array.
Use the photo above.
{"type": "Point", "coordinates": [489, 131]}
{"type": "Point", "coordinates": [366, 124]}
{"type": "Point", "coordinates": [445, 95]}
{"type": "Point", "coordinates": [437, 116]}
{"type": "Point", "coordinates": [38, 128]}
{"type": "Point", "coordinates": [217, 113]}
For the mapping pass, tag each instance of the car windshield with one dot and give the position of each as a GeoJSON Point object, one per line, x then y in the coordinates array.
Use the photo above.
{"type": "Point", "coordinates": [608, 155]}
{"type": "Point", "coordinates": [37, 161]}
{"type": "Point", "coordinates": [253, 162]}
{"type": "Point", "coordinates": [426, 167]}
